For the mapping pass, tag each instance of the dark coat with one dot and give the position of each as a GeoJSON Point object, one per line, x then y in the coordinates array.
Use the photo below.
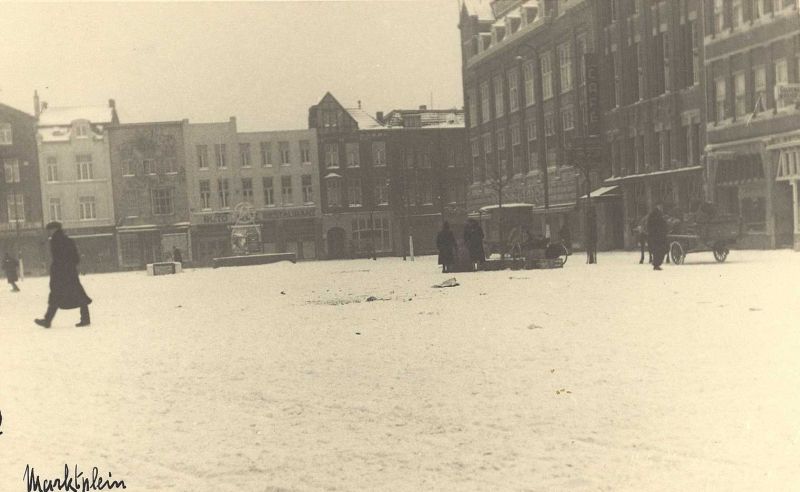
{"type": "Point", "coordinates": [66, 291]}
{"type": "Point", "coordinates": [11, 267]}
{"type": "Point", "coordinates": [657, 232]}
{"type": "Point", "coordinates": [446, 243]}
{"type": "Point", "coordinates": [473, 237]}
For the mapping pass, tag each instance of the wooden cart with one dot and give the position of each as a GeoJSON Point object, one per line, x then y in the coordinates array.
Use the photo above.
{"type": "Point", "coordinates": [714, 234]}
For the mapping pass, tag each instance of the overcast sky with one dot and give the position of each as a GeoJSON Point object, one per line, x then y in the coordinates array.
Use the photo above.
{"type": "Point", "coordinates": [264, 63]}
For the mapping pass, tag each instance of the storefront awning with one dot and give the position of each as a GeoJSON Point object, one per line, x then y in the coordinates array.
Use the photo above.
{"type": "Point", "coordinates": [490, 208]}
{"type": "Point", "coordinates": [789, 165]}
{"type": "Point", "coordinates": [654, 174]}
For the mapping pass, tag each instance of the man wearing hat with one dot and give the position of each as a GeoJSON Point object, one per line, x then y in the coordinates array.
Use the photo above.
{"type": "Point", "coordinates": [66, 291]}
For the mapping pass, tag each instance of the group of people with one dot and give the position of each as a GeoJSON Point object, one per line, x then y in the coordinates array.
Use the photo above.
{"type": "Point", "coordinates": [469, 253]}
{"type": "Point", "coordinates": [651, 232]}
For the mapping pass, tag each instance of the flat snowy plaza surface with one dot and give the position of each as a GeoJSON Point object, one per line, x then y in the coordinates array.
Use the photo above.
{"type": "Point", "coordinates": [283, 377]}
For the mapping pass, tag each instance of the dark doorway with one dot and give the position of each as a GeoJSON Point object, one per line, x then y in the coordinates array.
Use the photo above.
{"type": "Point", "coordinates": [336, 243]}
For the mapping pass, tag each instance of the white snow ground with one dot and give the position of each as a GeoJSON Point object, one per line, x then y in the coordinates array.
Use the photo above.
{"type": "Point", "coordinates": [603, 377]}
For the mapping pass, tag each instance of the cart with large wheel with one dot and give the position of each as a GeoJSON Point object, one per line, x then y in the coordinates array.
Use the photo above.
{"type": "Point", "coordinates": [705, 233]}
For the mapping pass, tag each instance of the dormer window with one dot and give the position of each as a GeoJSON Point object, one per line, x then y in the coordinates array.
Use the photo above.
{"type": "Point", "coordinates": [82, 130]}
{"type": "Point", "coordinates": [529, 13]}
{"type": "Point", "coordinates": [498, 32]}
{"type": "Point", "coordinates": [5, 134]}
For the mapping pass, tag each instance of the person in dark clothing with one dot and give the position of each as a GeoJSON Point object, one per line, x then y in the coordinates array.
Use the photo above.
{"type": "Point", "coordinates": [176, 255]}
{"type": "Point", "coordinates": [657, 236]}
{"type": "Point", "coordinates": [591, 236]}
{"type": "Point", "coordinates": [640, 230]}
{"type": "Point", "coordinates": [473, 237]}
{"type": "Point", "coordinates": [446, 244]}
{"type": "Point", "coordinates": [66, 291]}
{"type": "Point", "coordinates": [11, 267]}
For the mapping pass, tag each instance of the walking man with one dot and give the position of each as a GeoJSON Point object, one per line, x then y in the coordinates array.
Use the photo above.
{"type": "Point", "coordinates": [11, 267]}
{"type": "Point", "coordinates": [66, 291]}
{"type": "Point", "coordinates": [446, 244]}
{"type": "Point", "coordinates": [657, 236]}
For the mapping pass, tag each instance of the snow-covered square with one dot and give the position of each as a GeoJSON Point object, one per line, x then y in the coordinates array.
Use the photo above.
{"type": "Point", "coordinates": [284, 377]}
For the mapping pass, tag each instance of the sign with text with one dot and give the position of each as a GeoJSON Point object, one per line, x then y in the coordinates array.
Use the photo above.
{"type": "Point", "coordinates": [287, 213]}
{"type": "Point", "coordinates": [787, 93]}
{"type": "Point", "coordinates": [592, 94]}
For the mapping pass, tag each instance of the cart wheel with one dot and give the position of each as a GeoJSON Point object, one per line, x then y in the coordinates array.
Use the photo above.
{"type": "Point", "coordinates": [563, 254]}
{"type": "Point", "coordinates": [721, 253]}
{"type": "Point", "coordinates": [676, 253]}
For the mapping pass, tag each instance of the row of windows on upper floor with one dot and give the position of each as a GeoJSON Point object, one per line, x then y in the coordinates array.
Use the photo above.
{"type": "Point", "coordinates": [414, 193]}
{"type": "Point", "coordinates": [735, 14]}
{"type": "Point", "coordinates": [224, 192]}
{"type": "Point", "coordinates": [86, 207]}
{"type": "Point", "coordinates": [411, 158]}
{"type": "Point", "coordinates": [80, 130]}
{"type": "Point", "coordinates": [266, 158]}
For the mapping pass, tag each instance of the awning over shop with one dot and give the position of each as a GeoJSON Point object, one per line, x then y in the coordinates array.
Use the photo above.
{"type": "Point", "coordinates": [654, 174]}
{"type": "Point", "coordinates": [789, 165]}
{"type": "Point", "coordinates": [490, 208]}
{"type": "Point", "coordinates": [604, 192]}
{"type": "Point", "coordinates": [742, 168]}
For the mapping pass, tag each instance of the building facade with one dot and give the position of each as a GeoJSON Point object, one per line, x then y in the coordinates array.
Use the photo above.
{"type": "Point", "coordinates": [385, 179]}
{"type": "Point", "coordinates": [21, 220]}
{"type": "Point", "coordinates": [76, 179]}
{"type": "Point", "coordinates": [525, 96]}
{"type": "Point", "coordinates": [654, 107]}
{"type": "Point", "coordinates": [151, 204]}
{"type": "Point", "coordinates": [752, 64]}
{"type": "Point", "coordinates": [274, 172]}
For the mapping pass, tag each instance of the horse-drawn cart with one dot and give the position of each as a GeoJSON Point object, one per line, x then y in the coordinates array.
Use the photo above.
{"type": "Point", "coordinates": [704, 233]}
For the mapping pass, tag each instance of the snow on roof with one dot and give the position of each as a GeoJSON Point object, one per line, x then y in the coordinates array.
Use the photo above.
{"type": "Point", "coordinates": [54, 134]}
{"type": "Point", "coordinates": [66, 115]}
{"type": "Point", "coordinates": [365, 120]}
{"type": "Point", "coordinates": [480, 8]}
{"type": "Point", "coordinates": [428, 118]}
{"type": "Point", "coordinates": [507, 205]}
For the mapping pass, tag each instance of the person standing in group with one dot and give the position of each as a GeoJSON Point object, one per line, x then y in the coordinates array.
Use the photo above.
{"type": "Point", "coordinates": [657, 236]}
{"type": "Point", "coordinates": [446, 244]}
{"type": "Point", "coordinates": [473, 238]}
{"type": "Point", "coordinates": [11, 267]}
{"type": "Point", "coordinates": [66, 291]}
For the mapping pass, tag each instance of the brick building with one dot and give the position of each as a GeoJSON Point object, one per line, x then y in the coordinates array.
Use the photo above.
{"type": "Point", "coordinates": [76, 178]}
{"type": "Point", "coordinates": [655, 106]}
{"type": "Point", "coordinates": [752, 63]}
{"type": "Point", "coordinates": [524, 90]}
{"type": "Point", "coordinates": [151, 206]}
{"type": "Point", "coordinates": [21, 221]}
{"type": "Point", "coordinates": [385, 178]}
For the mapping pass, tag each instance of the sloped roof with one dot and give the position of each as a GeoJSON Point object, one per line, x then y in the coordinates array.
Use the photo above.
{"type": "Point", "coordinates": [66, 115]}
{"type": "Point", "coordinates": [365, 120]}
{"type": "Point", "coordinates": [480, 8]}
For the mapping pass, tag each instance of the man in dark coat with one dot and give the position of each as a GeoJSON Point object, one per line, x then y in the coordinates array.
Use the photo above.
{"type": "Point", "coordinates": [11, 267]}
{"type": "Point", "coordinates": [446, 243]}
{"type": "Point", "coordinates": [66, 291]}
{"type": "Point", "coordinates": [473, 237]}
{"type": "Point", "coordinates": [657, 236]}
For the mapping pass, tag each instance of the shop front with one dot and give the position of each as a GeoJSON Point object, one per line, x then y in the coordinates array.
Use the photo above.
{"type": "Point", "coordinates": [290, 230]}
{"type": "Point", "coordinates": [359, 235]}
{"type": "Point", "coordinates": [97, 248]}
{"type": "Point", "coordinates": [140, 245]}
{"type": "Point", "coordinates": [788, 175]}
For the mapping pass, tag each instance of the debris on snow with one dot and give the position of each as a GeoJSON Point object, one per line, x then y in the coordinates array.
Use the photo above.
{"type": "Point", "coordinates": [450, 282]}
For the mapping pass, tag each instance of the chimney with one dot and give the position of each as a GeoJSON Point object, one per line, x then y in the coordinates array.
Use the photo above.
{"type": "Point", "coordinates": [423, 107]}
{"type": "Point", "coordinates": [112, 104]}
{"type": "Point", "coordinates": [379, 117]}
{"type": "Point", "coordinates": [36, 107]}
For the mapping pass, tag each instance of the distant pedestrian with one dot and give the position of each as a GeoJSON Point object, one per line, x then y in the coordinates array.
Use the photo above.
{"type": "Point", "coordinates": [66, 291]}
{"type": "Point", "coordinates": [177, 257]}
{"type": "Point", "coordinates": [11, 267]}
{"type": "Point", "coordinates": [657, 236]}
{"type": "Point", "coordinates": [640, 231]}
{"type": "Point", "coordinates": [591, 236]}
{"type": "Point", "coordinates": [446, 244]}
{"type": "Point", "coordinates": [473, 238]}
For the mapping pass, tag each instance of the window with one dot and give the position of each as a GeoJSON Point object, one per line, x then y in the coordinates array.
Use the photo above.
{"type": "Point", "coordinates": [162, 201]}
{"type": "Point", "coordinates": [666, 49]}
{"type": "Point", "coordinates": [148, 166]}
{"type": "Point", "coordinates": [219, 152]}
{"type": "Point", "coordinates": [531, 127]}
{"type": "Point", "coordinates": [527, 75]}
{"type": "Point", "coordinates": [549, 125]}
{"type": "Point", "coordinates": [379, 154]}
{"type": "Point", "coordinates": [547, 76]}
{"type": "Point", "coordinates": [739, 94]}
{"type": "Point", "coordinates": [266, 154]}
{"type": "Point", "coordinates": [476, 161]}
{"type": "Point", "coordinates": [130, 202]}
{"type": "Point", "coordinates": [719, 95]}
{"type": "Point", "coordinates": [760, 87]}
{"type": "Point", "coordinates": [760, 8]}
{"type": "Point", "coordinates": [247, 190]}
{"type": "Point", "coordinates": [499, 105]}
{"type": "Point", "coordinates": [374, 234]}
{"type": "Point", "coordinates": [382, 192]}
{"type": "Point", "coordinates": [16, 207]}
{"type": "Point", "coordinates": [55, 209]}
{"type": "Point", "coordinates": [351, 150]}
{"type": "Point", "coordinates": [485, 103]}
{"type": "Point", "coordinates": [737, 14]}
{"type": "Point", "coordinates": [128, 167]}
{"type": "Point", "coordinates": [168, 164]}
{"type": "Point", "coordinates": [286, 190]}
{"type": "Point", "coordinates": [695, 67]}
{"type": "Point", "coordinates": [223, 192]}
{"type": "Point", "coordinates": [426, 192]}
{"type": "Point", "coordinates": [354, 192]}
{"type": "Point", "coordinates": [583, 48]}
{"type": "Point", "coordinates": [664, 141]}
{"type": "Point", "coordinates": [308, 190]}
{"type": "Point", "coordinates": [331, 156]}
{"type": "Point", "coordinates": [719, 16]}
{"type": "Point", "coordinates": [568, 119]}
{"type": "Point", "coordinates": [515, 140]}
{"type": "Point", "coordinates": [6, 134]}
{"type": "Point", "coordinates": [472, 105]}
{"type": "Point", "coordinates": [615, 69]}
{"type": "Point", "coordinates": [513, 90]}
{"type": "Point", "coordinates": [424, 159]}
{"type": "Point", "coordinates": [637, 92]}
{"type": "Point", "coordinates": [501, 140]}
{"type": "Point", "coordinates": [283, 148]}
{"type": "Point", "coordinates": [781, 76]}
{"type": "Point", "coordinates": [551, 159]}
{"type": "Point", "coordinates": [84, 166]}
{"type": "Point", "coordinates": [244, 154]}
{"type": "Point", "coordinates": [305, 151]}
{"type": "Point", "coordinates": [11, 168]}
{"type": "Point", "coordinates": [87, 209]}
{"type": "Point", "coordinates": [565, 62]}
{"type": "Point", "coordinates": [334, 192]}
{"type": "Point", "coordinates": [205, 194]}
{"type": "Point", "coordinates": [202, 157]}
{"type": "Point", "coordinates": [82, 131]}
{"type": "Point", "coordinates": [269, 194]}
